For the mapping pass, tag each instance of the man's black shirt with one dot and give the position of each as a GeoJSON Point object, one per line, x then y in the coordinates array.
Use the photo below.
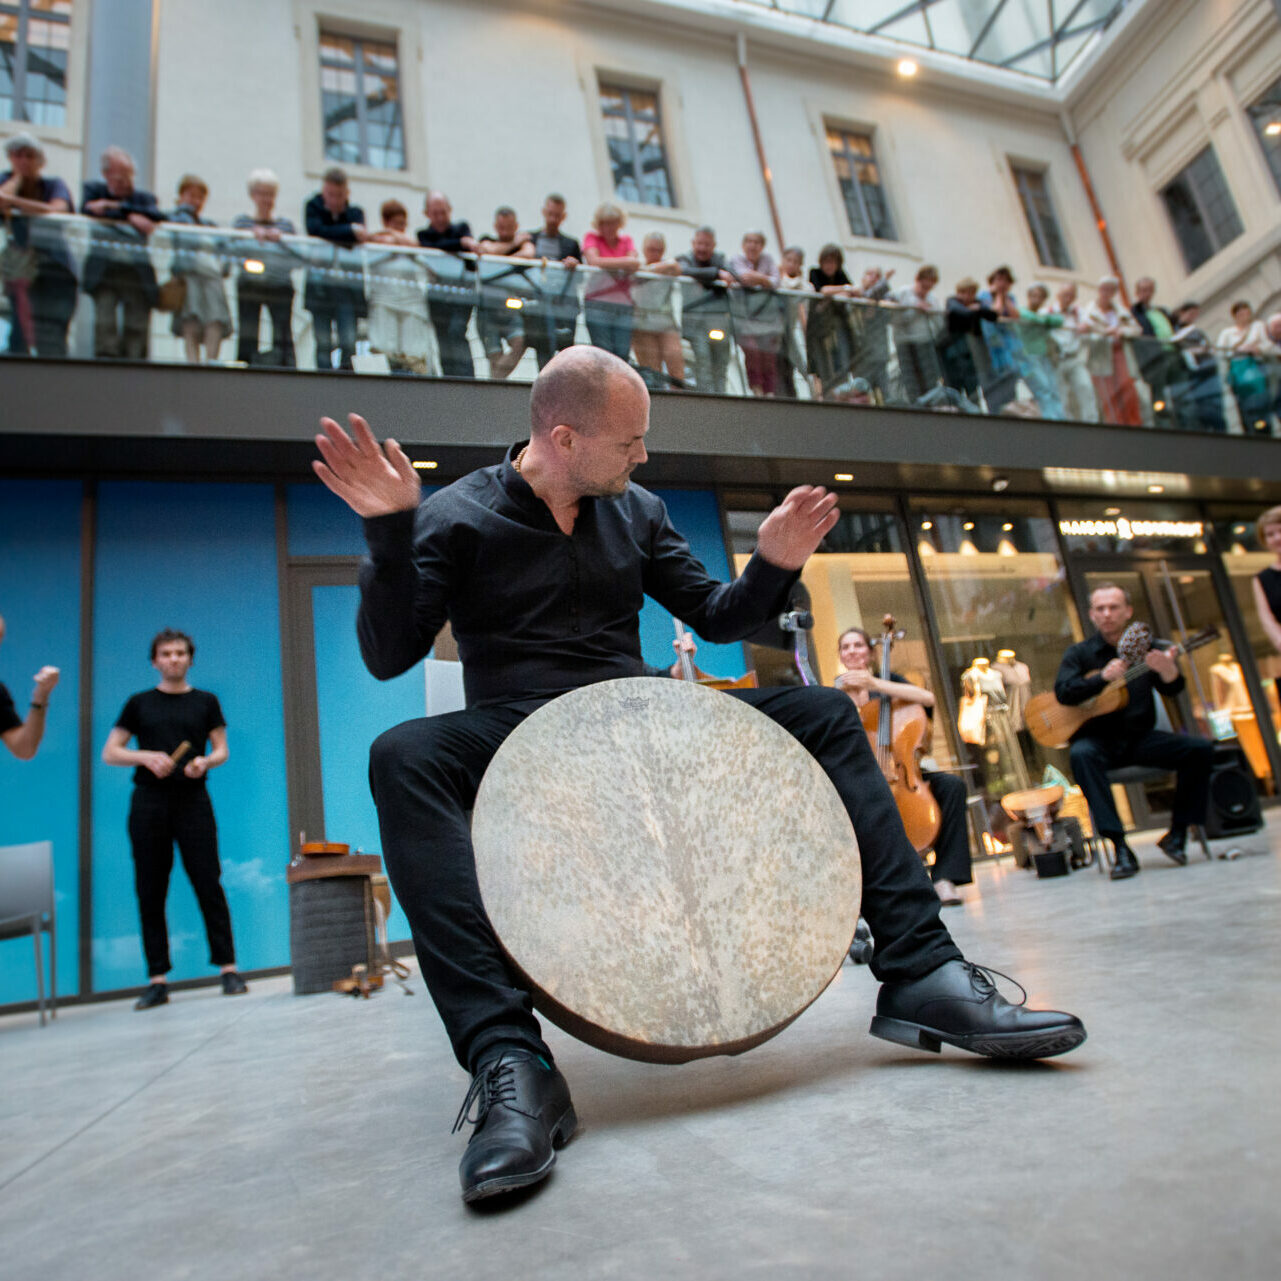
{"type": "Point", "coordinates": [160, 722]}
{"type": "Point", "coordinates": [1073, 686]}
{"type": "Point", "coordinates": [9, 718]}
{"type": "Point", "coordinates": [537, 612]}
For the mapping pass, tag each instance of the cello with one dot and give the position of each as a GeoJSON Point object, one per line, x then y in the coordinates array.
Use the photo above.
{"type": "Point", "coordinates": [896, 729]}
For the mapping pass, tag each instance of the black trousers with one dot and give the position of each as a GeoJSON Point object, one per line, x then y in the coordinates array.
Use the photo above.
{"type": "Point", "coordinates": [424, 775]}
{"type": "Point", "coordinates": [450, 320]}
{"type": "Point", "coordinates": [1188, 756]}
{"type": "Point", "coordinates": [159, 818]}
{"type": "Point", "coordinates": [280, 306]}
{"type": "Point", "coordinates": [952, 849]}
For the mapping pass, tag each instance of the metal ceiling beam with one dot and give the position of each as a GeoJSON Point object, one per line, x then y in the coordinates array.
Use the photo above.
{"type": "Point", "coordinates": [987, 26]}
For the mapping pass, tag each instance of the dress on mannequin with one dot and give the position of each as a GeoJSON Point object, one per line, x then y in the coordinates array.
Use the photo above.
{"type": "Point", "coordinates": [1230, 693]}
{"type": "Point", "coordinates": [1018, 689]}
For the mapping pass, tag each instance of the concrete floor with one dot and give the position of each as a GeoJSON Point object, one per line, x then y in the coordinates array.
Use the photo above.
{"type": "Point", "coordinates": [272, 1136]}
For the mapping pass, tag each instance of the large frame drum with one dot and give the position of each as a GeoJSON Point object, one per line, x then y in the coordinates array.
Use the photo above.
{"type": "Point", "coordinates": [671, 873]}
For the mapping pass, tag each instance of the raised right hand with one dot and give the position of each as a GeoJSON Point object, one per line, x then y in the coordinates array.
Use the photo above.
{"type": "Point", "coordinates": [159, 763]}
{"type": "Point", "coordinates": [369, 481]}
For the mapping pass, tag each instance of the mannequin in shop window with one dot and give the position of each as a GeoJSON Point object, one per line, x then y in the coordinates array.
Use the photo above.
{"type": "Point", "coordinates": [1017, 680]}
{"type": "Point", "coordinates": [952, 846]}
{"type": "Point", "coordinates": [1228, 682]}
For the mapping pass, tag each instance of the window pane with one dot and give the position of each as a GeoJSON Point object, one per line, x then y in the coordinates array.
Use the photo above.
{"type": "Point", "coordinates": [633, 131]}
{"type": "Point", "coordinates": [368, 71]}
{"type": "Point", "coordinates": [1000, 593]}
{"type": "Point", "coordinates": [1189, 227]}
{"type": "Point", "coordinates": [1201, 209]}
{"type": "Point", "coordinates": [859, 178]}
{"type": "Point", "coordinates": [1038, 209]}
{"type": "Point", "coordinates": [337, 49]}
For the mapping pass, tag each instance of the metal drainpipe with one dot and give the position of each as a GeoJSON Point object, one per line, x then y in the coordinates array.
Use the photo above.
{"type": "Point", "coordinates": [766, 176]}
{"type": "Point", "coordinates": [1099, 220]}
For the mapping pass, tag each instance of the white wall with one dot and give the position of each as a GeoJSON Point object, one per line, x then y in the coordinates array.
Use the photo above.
{"type": "Point", "coordinates": [503, 107]}
{"type": "Point", "coordinates": [1182, 78]}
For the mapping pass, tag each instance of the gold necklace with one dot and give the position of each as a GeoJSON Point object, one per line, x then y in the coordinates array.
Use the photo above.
{"type": "Point", "coordinates": [520, 458]}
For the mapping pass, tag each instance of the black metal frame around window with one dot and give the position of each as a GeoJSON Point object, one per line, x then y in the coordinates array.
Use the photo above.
{"type": "Point", "coordinates": [1045, 241]}
{"type": "Point", "coordinates": [854, 159]}
{"type": "Point", "coordinates": [629, 116]}
{"type": "Point", "coordinates": [1214, 235]}
{"type": "Point", "coordinates": [357, 65]}
{"type": "Point", "coordinates": [22, 10]}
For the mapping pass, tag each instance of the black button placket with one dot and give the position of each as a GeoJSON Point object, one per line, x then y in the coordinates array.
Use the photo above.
{"type": "Point", "coordinates": [574, 583]}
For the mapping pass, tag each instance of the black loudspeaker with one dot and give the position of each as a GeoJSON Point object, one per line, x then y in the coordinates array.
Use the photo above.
{"type": "Point", "coordinates": [1234, 798]}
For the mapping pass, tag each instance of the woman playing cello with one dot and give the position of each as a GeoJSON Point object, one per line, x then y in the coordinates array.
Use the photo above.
{"type": "Point", "coordinates": [951, 845]}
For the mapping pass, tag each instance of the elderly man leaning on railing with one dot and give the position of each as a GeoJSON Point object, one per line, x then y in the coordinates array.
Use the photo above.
{"type": "Point", "coordinates": [35, 268]}
{"type": "Point", "coordinates": [118, 274]}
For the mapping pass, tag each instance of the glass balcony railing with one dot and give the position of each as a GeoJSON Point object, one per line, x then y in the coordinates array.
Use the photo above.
{"type": "Point", "coordinates": [88, 288]}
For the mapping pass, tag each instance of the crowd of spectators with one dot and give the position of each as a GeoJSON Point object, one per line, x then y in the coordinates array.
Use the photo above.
{"type": "Point", "coordinates": [677, 315]}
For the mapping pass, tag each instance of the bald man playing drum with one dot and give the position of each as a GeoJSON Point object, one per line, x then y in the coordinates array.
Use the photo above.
{"type": "Point", "coordinates": [541, 564]}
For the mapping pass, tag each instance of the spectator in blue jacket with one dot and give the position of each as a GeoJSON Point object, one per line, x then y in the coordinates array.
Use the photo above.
{"type": "Point", "coordinates": [335, 293]}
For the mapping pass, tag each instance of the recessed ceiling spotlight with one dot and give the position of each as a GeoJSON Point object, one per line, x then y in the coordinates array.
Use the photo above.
{"type": "Point", "coordinates": [1007, 526]}
{"type": "Point", "coordinates": [927, 524]}
{"type": "Point", "coordinates": [907, 68]}
{"type": "Point", "coordinates": [969, 524]}
{"type": "Point", "coordinates": [1000, 484]}
{"type": "Point", "coordinates": [1111, 511]}
{"type": "Point", "coordinates": [1156, 489]}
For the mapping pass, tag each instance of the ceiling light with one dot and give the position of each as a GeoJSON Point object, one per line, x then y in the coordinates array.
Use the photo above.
{"type": "Point", "coordinates": [426, 464]}
{"type": "Point", "coordinates": [1158, 405]}
{"type": "Point", "coordinates": [1238, 529]}
{"type": "Point", "coordinates": [969, 524]}
{"type": "Point", "coordinates": [907, 68]}
{"type": "Point", "coordinates": [1007, 526]}
{"type": "Point", "coordinates": [1000, 484]}
{"type": "Point", "coordinates": [927, 524]}
{"type": "Point", "coordinates": [1272, 128]}
{"type": "Point", "coordinates": [253, 267]}
{"type": "Point", "coordinates": [843, 475]}
{"type": "Point", "coordinates": [515, 304]}
{"type": "Point", "coordinates": [1111, 511]}
{"type": "Point", "coordinates": [1156, 489]}
{"type": "Point", "coordinates": [716, 335]}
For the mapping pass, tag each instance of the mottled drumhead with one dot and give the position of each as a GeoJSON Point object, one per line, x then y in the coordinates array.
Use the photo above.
{"type": "Point", "coordinates": [670, 871]}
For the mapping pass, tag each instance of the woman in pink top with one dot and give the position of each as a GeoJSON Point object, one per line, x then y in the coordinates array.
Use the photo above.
{"type": "Point", "coordinates": [607, 301]}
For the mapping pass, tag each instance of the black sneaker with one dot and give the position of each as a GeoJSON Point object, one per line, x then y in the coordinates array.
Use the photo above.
{"type": "Point", "coordinates": [233, 984]}
{"type": "Point", "coordinates": [156, 994]}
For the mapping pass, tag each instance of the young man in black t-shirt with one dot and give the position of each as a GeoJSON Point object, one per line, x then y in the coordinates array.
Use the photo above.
{"type": "Point", "coordinates": [171, 804]}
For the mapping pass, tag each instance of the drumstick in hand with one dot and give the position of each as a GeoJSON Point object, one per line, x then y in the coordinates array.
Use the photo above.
{"type": "Point", "coordinates": [180, 751]}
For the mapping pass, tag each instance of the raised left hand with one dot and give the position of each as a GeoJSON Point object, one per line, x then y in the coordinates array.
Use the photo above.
{"type": "Point", "coordinates": [791, 533]}
{"type": "Point", "coordinates": [1166, 666]}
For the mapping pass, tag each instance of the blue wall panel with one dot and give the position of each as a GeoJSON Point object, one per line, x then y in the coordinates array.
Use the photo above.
{"type": "Point", "coordinates": [354, 709]}
{"type": "Point", "coordinates": [321, 524]}
{"type": "Point", "coordinates": [40, 601]}
{"type": "Point", "coordinates": [200, 558]}
{"type": "Point", "coordinates": [694, 513]}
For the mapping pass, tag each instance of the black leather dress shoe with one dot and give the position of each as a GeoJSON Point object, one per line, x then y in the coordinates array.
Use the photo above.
{"type": "Point", "coordinates": [156, 994]}
{"type": "Point", "coordinates": [1174, 844]}
{"type": "Point", "coordinates": [958, 1003]}
{"type": "Point", "coordinates": [524, 1114]}
{"type": "Point", "coordinates": [1126, 864]}
{"type": "Point", "coordinates": [233, 984]}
